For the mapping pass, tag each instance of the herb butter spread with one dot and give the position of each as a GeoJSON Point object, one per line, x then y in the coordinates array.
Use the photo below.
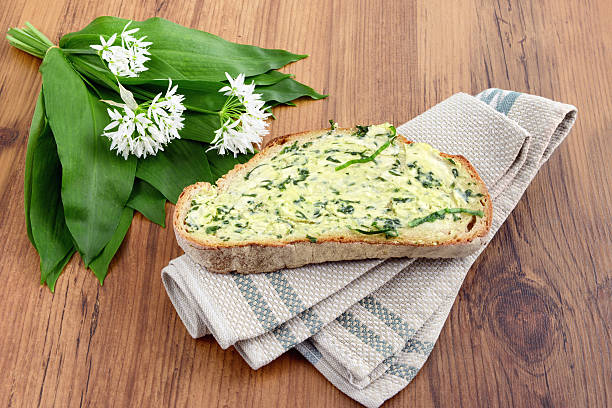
{"type": "Point", "coordinates": [360, 184]}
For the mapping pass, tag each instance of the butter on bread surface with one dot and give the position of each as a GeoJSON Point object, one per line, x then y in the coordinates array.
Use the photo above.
{"type": "Point", "coordinates": [297, 202]}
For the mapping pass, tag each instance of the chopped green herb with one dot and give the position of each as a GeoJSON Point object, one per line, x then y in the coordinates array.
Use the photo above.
{"type": "Point", "coordinates": [346, 209]}
{"type": "Point", "coordinates": [291, 148]}
{"type": "Point", "coordinates": [240, 227]}
{"type": "Point", "coordinates": [291, 226]}
{"type": "Point", "coordinates": [302, 175]}
{"type": "Point", "coordinates": [389, 227]}
{"type": "Point", "coordinates": [468, 193]}
{"type": "Point", "coordinates": [311, 239]}
{"type": "Point", "coordinates": [212, 229]}
{"type": "Point", "coordinates": [361, 130]}
{"type": "Point", "coordinates": [440, 214]}
{"type": "Point", "coordinates": [389, 232]}
{"type": "Point", "coordinates": [455, 173]}
{"type": "Point", "coordinates": [267, 184]}
{"type": "Point", "coordinates": [246, 176]}
{"type": "Point", "coordinates": [392, 136]}
{"type": "Point", "coordinates": [283, 184]}
{"type": "Point", "coordinates": [331, 159]}
{"type": "Point", "coordinates": [427, 179]}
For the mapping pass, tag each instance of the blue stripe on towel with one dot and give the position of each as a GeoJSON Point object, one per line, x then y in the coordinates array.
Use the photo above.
{"type": "Point", "coordinates": [418, 346]}
{"type": "Point", "coordinates": [395, 323]}
{"type": "Point", "coordinates": [311, 320]}
{"type": "Point", "coordinates": [487, 98]}
{"type": "Point", "coordinates": [254, 298]}
{"type": "Point", "coordinates": [363, 333]}
{"type": "Point", "coordinates": [312, 354]}
{"type": "Point", "coordinates": [288, 295]}
{"type": "Point", "coordinates": [293, 302]}
{"type": "Point", "coordinates": [504, 105]}
{"type": "Point", "coordinates": [284, 336]}
{"type": "Point", "coordinates": [403, 371]}
{"type": "Point", "coordinates": [262, 311]}
{"type": "Point", "coordinates": [387, 317]}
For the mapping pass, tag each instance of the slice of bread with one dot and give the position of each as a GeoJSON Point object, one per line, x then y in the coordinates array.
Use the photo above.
{"type": "Point", "coordinates": [331, 195]}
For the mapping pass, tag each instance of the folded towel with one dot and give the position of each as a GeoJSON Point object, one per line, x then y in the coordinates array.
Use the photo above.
{"type": "Point", "coordinates": [369, 326]}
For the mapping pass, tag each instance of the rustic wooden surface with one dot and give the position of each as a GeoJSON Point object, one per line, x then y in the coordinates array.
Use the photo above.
{"type": "Point", "coordinates": [532, 323]}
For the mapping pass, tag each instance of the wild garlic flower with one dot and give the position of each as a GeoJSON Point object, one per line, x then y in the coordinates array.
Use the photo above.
{"type": "Point", "coordinates": [127, 59]}
{"type": "Point", "coordinates": [243, 118]}
{"type": "Point", "coordinates": [144, 129]}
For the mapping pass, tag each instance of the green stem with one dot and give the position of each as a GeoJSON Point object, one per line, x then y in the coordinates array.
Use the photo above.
{"type": "Point", "coordinates": [201, 110]}
{"type": "Point", "coordinates": [231, 107]}
{"type": "Point", "coordinates": [25, 47]}
{"type": "Point", "coordinates": [43, 38]}
{"type": "Point", "coordinates": [79, 51]}
{"type": "Point", "coordinates": [29, 40]}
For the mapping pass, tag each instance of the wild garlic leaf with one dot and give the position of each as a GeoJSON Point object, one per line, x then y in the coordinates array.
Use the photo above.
{"type": "Point", "coordinates": [90, 67]}
{"type": "Point", "coordinates": [200, 126]}
{"type": "Point", "coordinates": [96, 183]}
{"type": "Point", "coordinates": [268, 78]}
{"type": "Point", "coordinates": [181, 52]}
{"type": "Point", "coordinates": [287, 90]}
{"type": "Point", "coordinates": [100, 264]}
{"type": "Point", "coordinates": [54, 273]}
{"type": "Point", "coordinates": [220, 165]}
{"type": "Point", "coordinates": [148, 201]}
{"type": "Point", "coordinates": [37, 127]}
{"type": "Point", "coordinates": [183, 162]}
{"type": "Point", "coordinates": [198, 88]}
{"type": "Point", "coordinates": [42, 197]}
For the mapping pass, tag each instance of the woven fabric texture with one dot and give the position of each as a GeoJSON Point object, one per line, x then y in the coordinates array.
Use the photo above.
{"type": "Point", "coordinates": [369, 326]}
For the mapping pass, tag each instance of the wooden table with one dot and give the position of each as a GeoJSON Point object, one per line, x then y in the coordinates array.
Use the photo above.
{"type": "Point", "coordinates": [532, 323]}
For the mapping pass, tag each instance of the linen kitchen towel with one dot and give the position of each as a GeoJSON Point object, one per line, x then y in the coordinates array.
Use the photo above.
{"type": "Point", "coordinates": [369, 326]}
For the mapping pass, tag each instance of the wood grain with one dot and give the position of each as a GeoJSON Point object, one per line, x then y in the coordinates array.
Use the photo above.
{"type": "Point", "coordinates": [532, 323]}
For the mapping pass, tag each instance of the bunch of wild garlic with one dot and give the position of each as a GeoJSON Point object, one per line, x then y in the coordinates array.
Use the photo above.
{"type": "Point", "coordinates": [129, 114]}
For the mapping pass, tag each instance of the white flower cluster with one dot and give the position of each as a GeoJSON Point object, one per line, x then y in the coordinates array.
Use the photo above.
{"type": "Point", "coordinates": [127, 59]}
{"type": "Point", "coordinates": [146, 128]}
{"type": "Point", "coordinates": [243, 118]}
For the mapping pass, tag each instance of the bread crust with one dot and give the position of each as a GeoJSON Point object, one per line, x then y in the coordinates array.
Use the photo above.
{"type": "Point", "coordinates": [270, 255]}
